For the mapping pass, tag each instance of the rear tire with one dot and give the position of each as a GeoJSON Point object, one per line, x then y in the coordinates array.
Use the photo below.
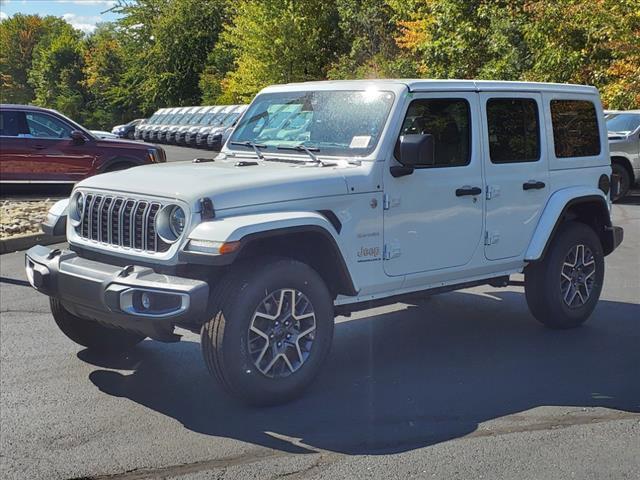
{"type": "Point", "coordinates": [91, 334]}
{"type": "Point", "coordinates": [625, 181]}
{"type": "Point", "coordinates": [563, 288]}
{"type": "Point", "coordinates": [255, 344]}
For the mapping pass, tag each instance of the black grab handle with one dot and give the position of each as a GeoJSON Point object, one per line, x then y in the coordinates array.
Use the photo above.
{"type": "Point", "coordinates": [461, 192]}
{"type": "Point", "coordinates": [533, 185]}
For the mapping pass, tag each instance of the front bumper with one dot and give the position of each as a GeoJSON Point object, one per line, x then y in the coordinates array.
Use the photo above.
{"type": "Point", "coordinates": [113, 295]}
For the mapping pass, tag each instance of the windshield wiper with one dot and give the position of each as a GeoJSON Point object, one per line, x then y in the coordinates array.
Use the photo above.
{"type": "Point", "coordinates": [309, 151]}
{"type": "Point", "coordinates": [302, 148]}
{"type": "Point", "coordinates": [256, 147]}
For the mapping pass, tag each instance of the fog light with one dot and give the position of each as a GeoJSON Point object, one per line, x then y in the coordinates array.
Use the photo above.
{"type": "Point", "coordinates": [145, 300]}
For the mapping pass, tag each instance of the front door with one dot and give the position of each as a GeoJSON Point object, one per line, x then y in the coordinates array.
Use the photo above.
{"type": "Point", "coordinates": [516, 171]}
{"type": "Point", "coordinates": [433, 217]}
{"type": "Point", "coordinates": [52, 153]}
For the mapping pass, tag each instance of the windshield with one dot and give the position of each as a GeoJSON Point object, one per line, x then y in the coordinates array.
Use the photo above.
{"type": "Point", "coordinates": [230, 119]}
{"type": "Point", "coordinates": [186, 118]}
{"type": "Point", "coordinates": [344, 123]}
{"type": "Point", "coordinates": [206, 118]}
{"type": "Point", "coordinates": [209, 117]}
{"type": "Point", "coordinates": [623, 122]}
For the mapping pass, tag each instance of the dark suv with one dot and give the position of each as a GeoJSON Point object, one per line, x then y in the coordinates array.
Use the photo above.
{"type": "Point", "coordinates": [43, 146]}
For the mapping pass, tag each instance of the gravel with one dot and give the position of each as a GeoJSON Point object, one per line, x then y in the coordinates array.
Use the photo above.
{"type": "Point", "coordinates": [22, 217]}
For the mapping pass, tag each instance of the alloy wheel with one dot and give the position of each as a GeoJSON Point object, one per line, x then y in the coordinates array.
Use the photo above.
{"type": "Point", "coordinates": [578, 276]}
{"type": "Point", "coordinates": [282, 332]}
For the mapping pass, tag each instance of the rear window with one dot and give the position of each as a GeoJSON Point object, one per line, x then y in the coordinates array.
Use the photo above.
{"type": "Point", "coordinates": [12, 123]}
{"type": "Point", "coordinates": [575, 128]}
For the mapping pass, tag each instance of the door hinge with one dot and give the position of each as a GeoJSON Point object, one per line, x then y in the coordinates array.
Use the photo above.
{"type": "Point", "coordinates": [491, 238]}
{"type": "Point", "coordinates": [391, 251]}
{"type": "Point", "coordinates": [386, 202]}
{"type": "Point", "coordinates": [493, 191]}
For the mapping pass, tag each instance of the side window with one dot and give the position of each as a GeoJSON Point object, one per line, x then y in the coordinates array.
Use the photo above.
{"type": "Point", "coordinates": [514, 130]}
{"type": "Point", "coordinates": [12, 124]}
{"type": "Point", "coordinates": [575, 128]}
{"type": "Point", "coordinates": [42, 125]}
{"type": "Point", "coordinates": [449, 121]}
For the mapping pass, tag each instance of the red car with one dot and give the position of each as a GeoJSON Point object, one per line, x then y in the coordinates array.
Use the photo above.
{"type": "Point", "coordinates": [38, 145]}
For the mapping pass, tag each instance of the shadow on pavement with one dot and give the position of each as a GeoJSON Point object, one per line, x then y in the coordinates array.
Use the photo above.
{"type": "Point", "coordinates": [407, 379]}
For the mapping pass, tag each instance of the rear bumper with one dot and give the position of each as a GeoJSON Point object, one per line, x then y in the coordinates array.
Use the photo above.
{"type": "Point", "coordinates": [113, 295]}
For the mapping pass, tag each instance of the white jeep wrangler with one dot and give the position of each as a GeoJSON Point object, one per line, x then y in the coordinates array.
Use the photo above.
{"type": "Point", "coordinates": [332, 197]}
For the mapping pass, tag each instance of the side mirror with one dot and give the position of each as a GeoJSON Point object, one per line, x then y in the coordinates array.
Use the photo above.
{"type": "Point", "coordinates": [413, 150]}
{"type": "Point", "coordinates": [77, 137]}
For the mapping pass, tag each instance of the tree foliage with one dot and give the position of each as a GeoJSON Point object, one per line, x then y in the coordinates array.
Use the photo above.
{"type": "Point", "coordinates": [278, 41]}
{"type": "Point", "coordinates": [185, 52]}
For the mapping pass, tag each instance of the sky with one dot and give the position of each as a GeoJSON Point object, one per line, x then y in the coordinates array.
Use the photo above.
{"type": "Point", "coordinates": [82, 14]}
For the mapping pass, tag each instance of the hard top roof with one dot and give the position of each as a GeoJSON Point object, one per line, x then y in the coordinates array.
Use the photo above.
{"type": "Point", "coordinates": [418, 85]}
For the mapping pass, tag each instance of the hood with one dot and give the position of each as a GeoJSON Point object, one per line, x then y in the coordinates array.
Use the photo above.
{"type": "Point", "coordinates": [226, 184]}
{"type": "Point", "coordinates": [118, 143]}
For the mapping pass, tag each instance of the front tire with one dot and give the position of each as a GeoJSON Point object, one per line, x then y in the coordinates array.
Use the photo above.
{"type": "Point", "coordinates": [91, 334]}
{"type": "Point", "coordinates": [271, 331]}
{"type": "Point", "coordinates": [563, 288]}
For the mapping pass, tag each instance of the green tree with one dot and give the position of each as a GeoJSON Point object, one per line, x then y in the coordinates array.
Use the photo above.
{"type": "Point", "coordinates": [109, 98]}
{"type": "Point", "coordinates": [169, 43]}
{"type": "Point", "coordinates": [472, 39]}
{"type": "Point", "coordinates": [279, 41]}
{"type": "Point", "coordinates": [600, 46]}
{"type": "Point", "coordinates": [57, 73]}
{"type": "Point", "coordinates": [20, 35]}
{"type": "Point", "coordinates": [368, 42]}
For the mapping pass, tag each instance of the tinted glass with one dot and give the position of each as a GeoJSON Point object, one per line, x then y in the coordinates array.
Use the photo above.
{"type": "Point", "coordinates": [12, 123]}
{"type": "Point", "coordinates": [448, 120]}
{"type": "Point", "coordinates": [42, 125]}
{"type": "Point", "coordinates": [514, 130]}
{"type": "Point", "coordinates": [575, 128]}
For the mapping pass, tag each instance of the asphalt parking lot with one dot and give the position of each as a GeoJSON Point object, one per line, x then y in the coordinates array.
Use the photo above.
{"type": "Point", "coordinates": [465, 385]}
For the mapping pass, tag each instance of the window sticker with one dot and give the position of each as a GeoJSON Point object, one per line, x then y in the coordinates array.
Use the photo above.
{"type": "Point", "coordinates": [360, 141]}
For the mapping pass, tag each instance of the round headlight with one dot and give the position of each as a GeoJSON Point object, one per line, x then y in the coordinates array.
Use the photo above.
{"type": "Point", "coordinates": [170, 223]}
{"type": "Point", "coordinates": [177, 220]}
{"type": "Point", "coordinates": [76, 208]}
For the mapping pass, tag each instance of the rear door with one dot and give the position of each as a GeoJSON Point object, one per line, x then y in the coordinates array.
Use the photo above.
{"type": "Point", "coordinates": [516, 170]}
{"type": "Point", "coordinates": [52, 152]}
{"type": "Point", "coordinates": [13, 150]}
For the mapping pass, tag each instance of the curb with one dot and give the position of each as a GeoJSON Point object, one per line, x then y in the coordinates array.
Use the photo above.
{"type": "Point", "coordinates": [23, 242]}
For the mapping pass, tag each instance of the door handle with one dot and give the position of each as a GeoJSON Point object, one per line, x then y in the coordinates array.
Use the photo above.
{"type": "Point", "coordinates": [466, 190]}
{"type": "Point", "coordinates": [38, 147]}
{"type": "Point", "coordinates": [533, 185]}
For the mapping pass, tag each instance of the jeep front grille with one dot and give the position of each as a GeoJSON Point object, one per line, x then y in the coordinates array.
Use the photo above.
{"type": "Point", "coordinates": [122, 222]}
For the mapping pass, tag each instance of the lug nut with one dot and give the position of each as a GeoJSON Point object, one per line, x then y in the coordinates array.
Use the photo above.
{"type": "Point", "coordinates": [288, 336]}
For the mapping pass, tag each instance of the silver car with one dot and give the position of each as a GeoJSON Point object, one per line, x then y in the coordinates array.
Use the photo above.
{"type": "Point", "coordinates": [624, 146]}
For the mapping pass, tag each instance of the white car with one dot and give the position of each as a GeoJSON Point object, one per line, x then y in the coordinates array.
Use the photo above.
{"type": "Point", "coordinates": [392, 190]}
{"type": "Point", "coordinates": [104, 134]}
